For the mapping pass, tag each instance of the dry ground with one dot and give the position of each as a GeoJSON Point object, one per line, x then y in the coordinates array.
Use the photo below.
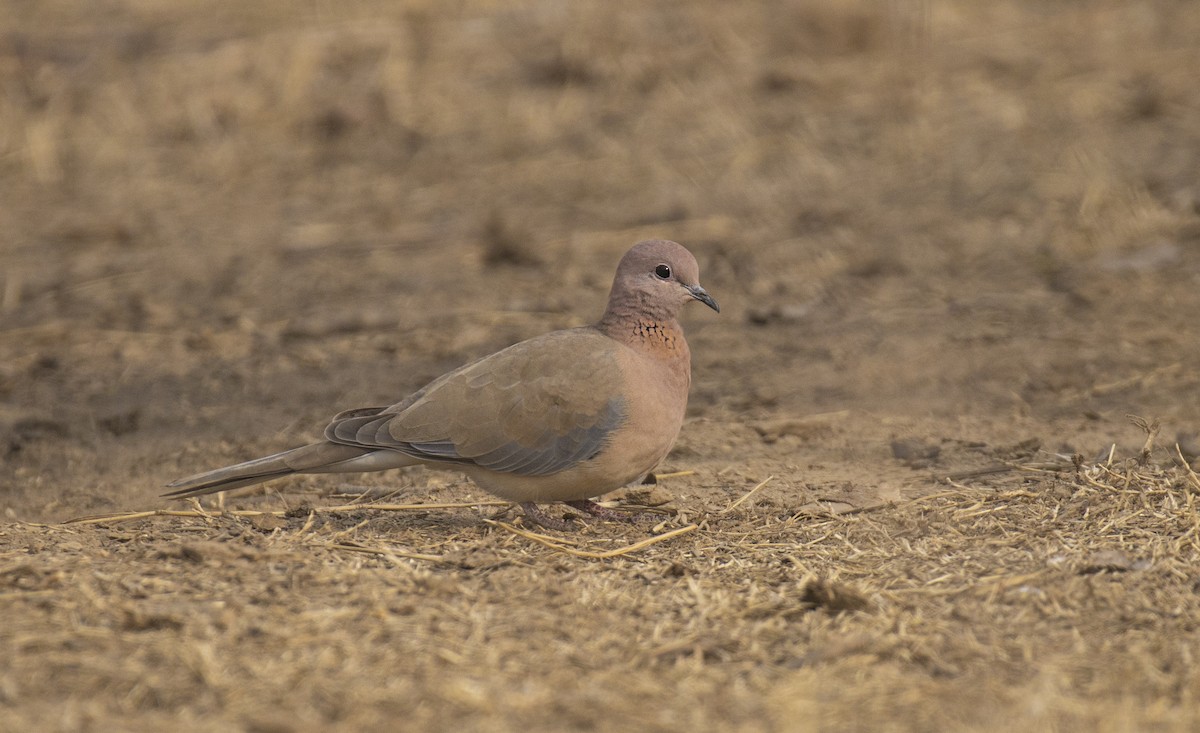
{"type": "Point", "coordinates": [955, 243]}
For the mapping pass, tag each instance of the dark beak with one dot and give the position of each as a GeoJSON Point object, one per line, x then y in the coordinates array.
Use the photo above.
{"type": "Point", "coordinates": [702, 295]}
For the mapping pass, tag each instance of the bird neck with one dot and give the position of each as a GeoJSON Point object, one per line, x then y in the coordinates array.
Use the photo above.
{"type": "Point", "coordinates": [645, 330]}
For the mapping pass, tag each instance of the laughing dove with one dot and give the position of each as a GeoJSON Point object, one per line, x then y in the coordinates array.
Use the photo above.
{"type": "Point", "coordinates": [562, 417]}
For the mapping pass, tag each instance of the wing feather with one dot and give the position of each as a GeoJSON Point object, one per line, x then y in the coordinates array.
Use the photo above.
{"type": "Point", "coordinates": [534, 409]}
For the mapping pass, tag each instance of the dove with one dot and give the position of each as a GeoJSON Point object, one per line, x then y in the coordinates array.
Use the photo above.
{"type": "Point", "coordinates": [562, 417]}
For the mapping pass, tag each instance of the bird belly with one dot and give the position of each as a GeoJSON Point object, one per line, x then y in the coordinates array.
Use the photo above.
{"type": "Point", "coordinates": [629, 456]}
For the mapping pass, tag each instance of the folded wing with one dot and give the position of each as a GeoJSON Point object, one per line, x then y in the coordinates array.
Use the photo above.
{"type": "Point", "coordinates": [533, 409]}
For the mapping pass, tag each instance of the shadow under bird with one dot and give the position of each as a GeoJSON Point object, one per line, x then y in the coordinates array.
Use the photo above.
{"type": "Point", "coordinates": [566, 416]}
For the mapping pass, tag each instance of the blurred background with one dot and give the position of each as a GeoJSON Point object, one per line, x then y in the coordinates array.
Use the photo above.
{"type": "Point", "coordinates": [959, 222]}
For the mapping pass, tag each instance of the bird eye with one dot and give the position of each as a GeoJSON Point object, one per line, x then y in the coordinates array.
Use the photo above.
{"type": "Point", "coordinates": [663, 271]}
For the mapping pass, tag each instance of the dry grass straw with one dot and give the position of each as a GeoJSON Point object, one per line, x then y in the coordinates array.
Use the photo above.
{"type": "Point", "coordinates": [747, 495]}
{"type": "Point", "coordinates": [201, 512]}
{"type": "Point", "coordinates": [561, 545]}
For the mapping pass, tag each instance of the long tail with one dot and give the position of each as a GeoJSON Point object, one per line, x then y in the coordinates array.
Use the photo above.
{"type": "Point", "coordinates": [315, 458]}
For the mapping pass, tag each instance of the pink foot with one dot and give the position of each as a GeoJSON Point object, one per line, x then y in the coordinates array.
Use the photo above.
{"type": "Point", "coordinates": [536, 516]}
{"type": "Point", "coordinates": [610, 515]}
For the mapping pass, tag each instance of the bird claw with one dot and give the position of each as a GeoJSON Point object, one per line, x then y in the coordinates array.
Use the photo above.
{"type": "Point", "coordinates": [537, 516]}
{"type": "Point", "coordinates": [588, 506]}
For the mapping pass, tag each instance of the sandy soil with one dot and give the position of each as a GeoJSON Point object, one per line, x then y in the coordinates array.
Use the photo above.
{"type": "Point", "coordinates": [956, 244]}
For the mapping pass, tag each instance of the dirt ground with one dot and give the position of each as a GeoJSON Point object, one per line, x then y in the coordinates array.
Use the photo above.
{"type": "Point", "coordinates": [955, 243]}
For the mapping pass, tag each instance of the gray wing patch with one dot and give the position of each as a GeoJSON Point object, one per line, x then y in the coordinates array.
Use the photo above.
{"type": "Point", "coordinates": [555, 453]}
{"type": "Point", "coordinates": [547, 455]}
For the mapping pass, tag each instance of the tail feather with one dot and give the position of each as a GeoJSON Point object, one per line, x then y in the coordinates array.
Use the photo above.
{"type": "Point", "coordinates": [314, 458]}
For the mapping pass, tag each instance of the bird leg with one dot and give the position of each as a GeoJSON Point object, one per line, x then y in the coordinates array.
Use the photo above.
{"type": "Point", "coordinates": [600, 512]}
{"type": "Point", "coordinates": [536, 516]}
